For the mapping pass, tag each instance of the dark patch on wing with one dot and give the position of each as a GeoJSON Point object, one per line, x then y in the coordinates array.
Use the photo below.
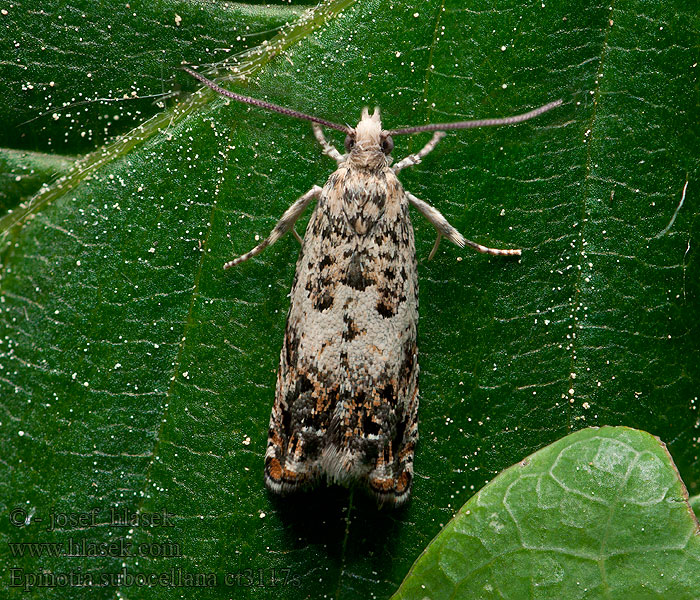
{"type": "Point", "coordinates": [286, 423]}
{"type": "Point", "coordinates": [291, 345]}
{"type": "Point", "coordinates": [354, 275]}
{"type": "Point", "coordinates": [408, 363]}
{"type": "Point", "coordinates": [396, 442]}
{"type": "Point", "coordinates": [323, 301]}
{"type": "Point", "coordinates": [302, 385]}
{"type": "Point", "coordinates": [388, 303]}
{"type": "Point", "coordinates": [351, 330]}
{"type": "Point", "coordinates": [369, 427]}
{"type": "Point", "coordinates": [388, 394]}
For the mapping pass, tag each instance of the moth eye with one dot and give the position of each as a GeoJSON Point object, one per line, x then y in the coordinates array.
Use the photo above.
{"type": "Point", "coordinates": [349, 143]}
{"type": "Point", "coordinates": [387, 144]}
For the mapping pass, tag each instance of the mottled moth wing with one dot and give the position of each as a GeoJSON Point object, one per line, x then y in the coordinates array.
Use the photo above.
{"type": "Point", "coordinates": [347, 388]}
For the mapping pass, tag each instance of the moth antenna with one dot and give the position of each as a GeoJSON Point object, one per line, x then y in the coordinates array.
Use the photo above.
{"type": "Point", "coordinates": [266, 105]}
{"type": "Point", "coordinates": [478, 123]}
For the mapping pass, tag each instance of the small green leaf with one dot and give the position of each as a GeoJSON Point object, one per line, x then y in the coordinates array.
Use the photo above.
{"type": "Point", "coordinates": [600, 513]}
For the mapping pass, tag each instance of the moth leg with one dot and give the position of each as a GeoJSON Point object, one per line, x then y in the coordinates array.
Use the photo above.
{"type": "Point", "coordinates": [445, 229]}
{"type": "Point", "coordinates": [414, 159]}
{"type": "Point", "coordinates": [435, 246]}
{"type": "Point", "coordinates": [283, 226]}
{"type": "Point", "coordinates": [328, 148]}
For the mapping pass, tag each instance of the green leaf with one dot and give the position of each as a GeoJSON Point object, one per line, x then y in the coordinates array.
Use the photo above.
{"type": "Point", "coordinates": [23, 173]}
{"type": "Point", "coordinates": [135, 373]}
{"type": "Point", "coordinates": [600, 513]}
{"type": "Point", "coordinates": [75, 74]}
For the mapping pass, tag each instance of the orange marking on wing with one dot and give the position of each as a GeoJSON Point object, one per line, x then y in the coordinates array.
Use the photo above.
{"type": "Point", "coordinates": [274, 469]}
{"type": "Point", "coordinates": [402, 483]}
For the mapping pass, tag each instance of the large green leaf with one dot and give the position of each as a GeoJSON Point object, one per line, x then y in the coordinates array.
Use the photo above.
{"type": "Point", "coordinates": [600, 513]}
{"type": "Point", "coordinates": [136, 373]}
{"type": "Point", "coordinates": [74, 74]}
{"type": "Point", "coordinates": [22, 174]}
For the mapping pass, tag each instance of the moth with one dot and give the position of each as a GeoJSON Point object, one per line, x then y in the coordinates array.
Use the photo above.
{"type": "Point", "coordinates": [346, 402]}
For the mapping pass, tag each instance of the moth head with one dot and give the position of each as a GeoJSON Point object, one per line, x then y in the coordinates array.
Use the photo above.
{"type": "Point", "coordinates": [369, 135]}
